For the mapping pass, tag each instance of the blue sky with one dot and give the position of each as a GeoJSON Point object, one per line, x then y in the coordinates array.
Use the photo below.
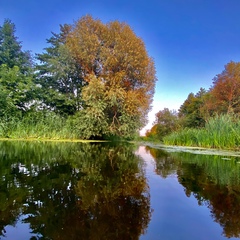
{"type": "Point", "coordinates": [189, 40]}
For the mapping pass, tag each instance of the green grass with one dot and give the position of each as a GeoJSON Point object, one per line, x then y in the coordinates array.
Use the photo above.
{"type": "Point", "coordinates": [44, 126]}
{"type": "Point", "coordinates": [38, 125]}
{"type": "Point", "coordinates": [221, 132]}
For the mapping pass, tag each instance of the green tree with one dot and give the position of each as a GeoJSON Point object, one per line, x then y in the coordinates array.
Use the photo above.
{"type": "Point", "coordinates": [166, 121]}
{"type": "Point", "coordinates": [91, 122]}
{"type": "Point", "coordinates": [59, 76]}
{"type": "Point", "coordinates": [191, 111]}
{"type": "Point", "coordinates": [16, 90]}
{"type": "Point", "coordinates": [117, 58]}
{"type": "Point", "coordinates": [16, 73]}
{"type": "Point", "coordinates": [11, 52]}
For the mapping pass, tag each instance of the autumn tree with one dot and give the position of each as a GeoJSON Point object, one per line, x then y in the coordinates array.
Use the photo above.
{"type": "Point", "coordinates": [226, 89]}
{"type": "Point", "coordinates": [116, 59]}
{"type": "Point", "coordinates": [222, 98]}
{"type": "Point", "coordinates": [152, 133]}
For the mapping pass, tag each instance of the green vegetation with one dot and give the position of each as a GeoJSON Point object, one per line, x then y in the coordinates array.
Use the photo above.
{"type": "Point", "coordinates": [94, 81]}
{"type": "Point", "coordinates": [39, 125]}
{"type": "Point", "coordinates": [219, 132]}
{"type": "Point", "coordinates": [166, 122]}
{"type": "Point", "coordinates": [209, 118]}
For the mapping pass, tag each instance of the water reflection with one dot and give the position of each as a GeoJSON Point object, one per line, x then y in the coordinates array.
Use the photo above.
{"type": "Point", "coordinates": [213, 180]}
{"type": "Point", "coordinates": [73, 191]}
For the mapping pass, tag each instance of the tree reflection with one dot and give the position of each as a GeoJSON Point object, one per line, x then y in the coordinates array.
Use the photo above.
{"type": "Point", "coordinates": [165, 165]}
{"type": "Point", "coordinates": [111, 193]}
{"type": "Point", "coordinates": [212, 180]}
{"type": "Point", "coordinates": [74, 191]}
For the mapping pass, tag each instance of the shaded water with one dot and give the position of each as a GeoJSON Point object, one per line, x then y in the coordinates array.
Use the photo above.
{"type": "Point", "coordinates": [106, 191]}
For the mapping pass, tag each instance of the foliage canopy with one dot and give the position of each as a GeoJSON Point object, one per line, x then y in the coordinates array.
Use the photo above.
{"type": "Point", "coordinates": [97, 76]}
{"type": "Point", "coordinates": [115, 59]}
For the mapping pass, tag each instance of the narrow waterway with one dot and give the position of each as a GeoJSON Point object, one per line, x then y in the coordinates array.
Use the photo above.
{"type": "Point", "coordinates": [116, 191]}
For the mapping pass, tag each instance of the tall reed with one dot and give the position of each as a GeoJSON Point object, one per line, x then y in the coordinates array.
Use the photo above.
{"type": "Point", "coordinates": [38, 125]}
{"type": "Point", "coordinates": [222, 131]}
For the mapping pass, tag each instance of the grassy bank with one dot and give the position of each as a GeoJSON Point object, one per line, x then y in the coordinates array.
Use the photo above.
{"type": "Point", "coordinates": [48, 126]}
{"type": "Point", "coordinates": [222, 132]}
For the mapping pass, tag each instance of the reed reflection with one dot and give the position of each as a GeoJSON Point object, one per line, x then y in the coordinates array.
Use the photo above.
{"type": "Point", "coordinates": [213, 180]}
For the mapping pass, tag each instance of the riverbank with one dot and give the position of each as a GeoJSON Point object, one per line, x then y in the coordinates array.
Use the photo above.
{"type": "Point", "coordinates": [168, 148]}
{"type": "Point", "coordinates": [191, 149]}
{"type": "Point", "coordinates": [220, 132]}
{"type": "Point", "coordinates": [51, 140]}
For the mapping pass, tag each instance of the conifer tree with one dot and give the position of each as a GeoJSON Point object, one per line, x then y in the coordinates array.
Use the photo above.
{"type": "Point", "coordinates": [11, 52]}
{"type": "Point", "coordinates": [60, 76]}
{"type": "Point", "coordinates": [16, 73]}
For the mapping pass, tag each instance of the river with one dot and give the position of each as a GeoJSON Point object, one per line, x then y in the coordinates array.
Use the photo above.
{"type": "Point", "coordinates": [52, 190]}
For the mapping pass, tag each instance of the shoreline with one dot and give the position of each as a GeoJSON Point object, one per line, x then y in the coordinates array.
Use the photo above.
{"type": "Point", "coordinates": [168, 148]}
{"type": "Point", "coordinates": [193, 149]}
{"type": "Point", "coordinates": [51, 140]}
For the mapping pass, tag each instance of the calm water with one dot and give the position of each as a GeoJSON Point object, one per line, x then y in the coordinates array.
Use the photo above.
{"type": "Point", "coordinates": [105, 191]}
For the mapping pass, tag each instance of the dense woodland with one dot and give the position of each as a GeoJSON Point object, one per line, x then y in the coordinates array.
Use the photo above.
{"type": "Point", "coordinates": [93, 81]}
